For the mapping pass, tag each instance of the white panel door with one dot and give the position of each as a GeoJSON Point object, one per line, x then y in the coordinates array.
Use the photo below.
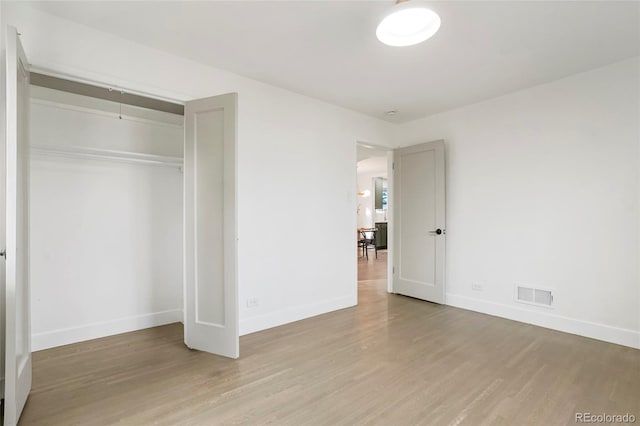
{"type": "Point", "coordinates": [16, 172]}
{"type": "Point", "coordinates": [419, 221]}
{"type": "Point", "coordinates": [211, 291]}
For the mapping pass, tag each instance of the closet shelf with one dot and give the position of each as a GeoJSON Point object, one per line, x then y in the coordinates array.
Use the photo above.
{"type": "Point", "coordinates": [108, 155]}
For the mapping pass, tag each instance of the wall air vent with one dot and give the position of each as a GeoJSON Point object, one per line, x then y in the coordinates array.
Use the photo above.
{"type": "Point", "coordinates": [534, 296]}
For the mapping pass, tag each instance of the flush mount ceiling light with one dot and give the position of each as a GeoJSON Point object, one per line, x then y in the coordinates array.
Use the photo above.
{"type": "Point", "coordinates": [409, 22]}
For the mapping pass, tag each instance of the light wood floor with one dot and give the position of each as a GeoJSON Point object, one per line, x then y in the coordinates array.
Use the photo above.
{"type": "Point", "coordinates": [372, 268]}
{"type": "Point", "coordinates": [392, 360]}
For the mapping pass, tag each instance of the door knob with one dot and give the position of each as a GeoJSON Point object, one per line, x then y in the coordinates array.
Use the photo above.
{"type": "Point", "coordinates": [437, 232]}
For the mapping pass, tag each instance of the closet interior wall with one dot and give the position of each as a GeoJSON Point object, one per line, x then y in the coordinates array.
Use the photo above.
{"type": "Point", "coordinates": [106, 217]}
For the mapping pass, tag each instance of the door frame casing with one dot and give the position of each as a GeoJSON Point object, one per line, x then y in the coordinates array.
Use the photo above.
{"type": "Point", "coordinates": [390, 212]}
{"type": "Point", "coordinates": [2, 193]}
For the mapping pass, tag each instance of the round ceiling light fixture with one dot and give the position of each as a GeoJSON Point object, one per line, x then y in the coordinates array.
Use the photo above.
{"type": "Point", "coordinates": [409, 22]}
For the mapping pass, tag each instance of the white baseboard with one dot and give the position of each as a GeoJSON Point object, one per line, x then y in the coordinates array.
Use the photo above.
{"type": "Point", "coordinates": [51, 339]}
{"type": "Point", "coordinates": [607, 333]}
{"type": "Point", "coordinates": [285, 316]}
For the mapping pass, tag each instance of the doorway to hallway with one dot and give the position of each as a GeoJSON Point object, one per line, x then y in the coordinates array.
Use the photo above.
{"type": "Point", "coordinates": [372, 215]}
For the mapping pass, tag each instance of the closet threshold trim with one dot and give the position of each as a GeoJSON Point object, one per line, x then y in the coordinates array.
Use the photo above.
{"type": "Point", "coordinates": [114, 95]}
{"type": "Point", "coordinates": [108, 155]}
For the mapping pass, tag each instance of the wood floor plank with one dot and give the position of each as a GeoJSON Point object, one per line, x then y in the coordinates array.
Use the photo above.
{"type": "Point", "coordinates": [392, 360]}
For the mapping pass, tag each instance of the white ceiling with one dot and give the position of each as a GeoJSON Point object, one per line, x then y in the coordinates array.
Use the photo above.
{"type": "Point", "coordinates": [372, 160]}
{"type": "Point", "coordinates": [365, 152]}
{"type": "Point", "coordinates": [373, 165]}
{"type": "Point", "coordinates": [328, 49]}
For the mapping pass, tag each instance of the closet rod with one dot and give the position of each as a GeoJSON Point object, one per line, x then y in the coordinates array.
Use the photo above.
{"type": "Point", "coordinates": [104, 154]}
{"type": "Point", "coordinates": [114, 95]}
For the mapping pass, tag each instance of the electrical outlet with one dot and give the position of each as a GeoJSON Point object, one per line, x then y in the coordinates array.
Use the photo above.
{"type": "Point", "coordinates": [476, 287]}
{"type": "Point", "coordinates": [252, 302]}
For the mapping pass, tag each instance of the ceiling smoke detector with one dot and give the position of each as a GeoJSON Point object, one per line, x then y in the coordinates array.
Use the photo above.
{"type": "Point", "coordinates": [409, 22]}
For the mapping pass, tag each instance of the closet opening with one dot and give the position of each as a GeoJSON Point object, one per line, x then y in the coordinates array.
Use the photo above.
{"type": "Point", "coordinates": [106, 213]}
{"type": "Point", "coordinates": [133, 215]}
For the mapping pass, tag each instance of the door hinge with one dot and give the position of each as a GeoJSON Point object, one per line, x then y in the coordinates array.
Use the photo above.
{"type": "Point", "coordinates": [393, 166]}
{"type": "Point", "coordinates": [3, 253]}
{"type": "Point", "coordinates": [393, 269]}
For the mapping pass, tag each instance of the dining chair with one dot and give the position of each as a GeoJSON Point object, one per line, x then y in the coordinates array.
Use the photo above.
{"type": "Point", "coordinates": [369, 240]}
{"type": "Point", "coordinates": [361, 243]}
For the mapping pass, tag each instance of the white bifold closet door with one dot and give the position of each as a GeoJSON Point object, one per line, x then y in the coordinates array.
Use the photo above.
{"type": "Point", "coordinates": [16, 295]}
{"type": "Point", "coordinates": [210, 249]}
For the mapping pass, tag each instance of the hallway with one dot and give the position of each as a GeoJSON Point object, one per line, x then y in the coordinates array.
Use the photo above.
{"type": "Point", "coordinates": [372, 268]}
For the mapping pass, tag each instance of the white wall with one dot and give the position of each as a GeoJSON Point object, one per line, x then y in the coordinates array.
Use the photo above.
{"type": "Point", "coordinates": [106, 236]}
{"type": "Point", "coordinates": [295, 164]}
{"type": "Point", "coordinates": [543, 189]}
